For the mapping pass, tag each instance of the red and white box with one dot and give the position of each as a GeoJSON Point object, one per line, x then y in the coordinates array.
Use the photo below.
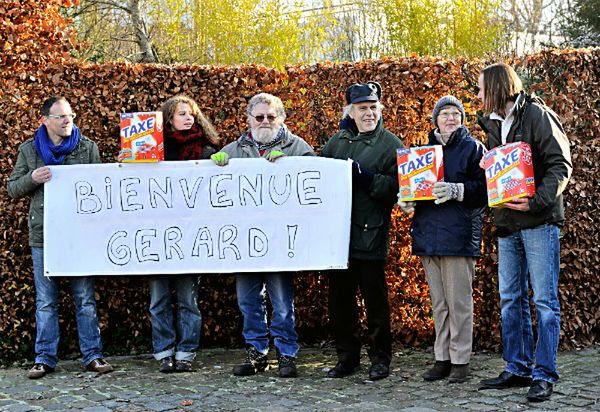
{"type": "Point", "coordinates": [509, 173]}
{"type": "Point", "coordinates": [142, 137]}
{"type": "Point", "coordinates": [419, 168]}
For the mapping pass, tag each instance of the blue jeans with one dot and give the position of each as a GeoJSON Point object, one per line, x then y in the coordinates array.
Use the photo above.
{"type": "Point", "coordinates": [534, 252]}
{"type": "Point", "coordinates": [251, 299]}
{"type": "Point", "coordinates": [165, 331]}
{"type": "Point", "coordinates": [46, 314]}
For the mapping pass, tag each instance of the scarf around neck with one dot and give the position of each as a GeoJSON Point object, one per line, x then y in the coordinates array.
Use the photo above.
{"type": "Point", "coordinates": [184, 144]}
{"type": "Point", "coordinates": [54, 154]}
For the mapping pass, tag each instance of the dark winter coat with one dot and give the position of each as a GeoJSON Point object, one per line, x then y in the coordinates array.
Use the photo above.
{"type": "Point", "coordinates": [539, 126]}
{"type": "Point", "coordinates": [453, 228]}
{"type": "Point", "coordinates": [372, 207]}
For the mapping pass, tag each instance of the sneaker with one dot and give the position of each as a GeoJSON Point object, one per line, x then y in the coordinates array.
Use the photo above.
{"type": "Point", "coordinates": [167, 365]}
{"type": "Point", "coordinates": [458, 373]}
{"type": "Point", "coordinates": [287, 366]}
{"type": "Point", "coordinates": [254, 362]}
{"type": "Point", "coordinates": [440, 370]}
{"type": "Point", "coordinates": [183, 366]}
{"type": "Point", "coordinates": [39, 370]}
{"type": "Point", "coordinates": [99, 366]}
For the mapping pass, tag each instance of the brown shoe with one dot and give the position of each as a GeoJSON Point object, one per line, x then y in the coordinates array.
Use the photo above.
{"type": "Point", "coordinates": [440, 370]}
{"type": "Point", "coordinates": [183, 366]}
{"type": "Point", "coordinates": [458, 373]}
{"type": "Point", "coordinates": [99, 366]}
{"type": "Point", "coordinates": [167, 365]}
{"type": "Point", "coordinates": [39, 370]}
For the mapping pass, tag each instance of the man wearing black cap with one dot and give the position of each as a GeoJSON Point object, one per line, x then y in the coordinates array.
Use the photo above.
{"type": "Point", "coordinates": [372, 149]}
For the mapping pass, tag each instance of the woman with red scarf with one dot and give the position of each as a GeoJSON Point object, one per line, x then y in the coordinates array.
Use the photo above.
{"type": "Point", "coordinates": [188, 135]}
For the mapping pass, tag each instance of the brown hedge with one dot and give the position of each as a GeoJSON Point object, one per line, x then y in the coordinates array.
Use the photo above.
{"type": "Point", "coordinates": [313, 96]}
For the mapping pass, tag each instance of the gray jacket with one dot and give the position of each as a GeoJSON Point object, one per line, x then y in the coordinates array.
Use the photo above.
{"type": "Point", "coordinates": [290, 144]}
{"type": "Point", "coordinates": [21, 184]}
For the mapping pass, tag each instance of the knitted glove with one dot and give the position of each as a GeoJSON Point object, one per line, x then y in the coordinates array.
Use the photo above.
{"type": "Point", "coordinates": [274, 155]}
{"type": "Point", "coordinates": [444, 191]}
{"type": "Point", "coordinates": [220, 158]}
{"type": "Point", "coordinates": [407, 207]}
{"type": "Point", "coordinates": [362, 176]}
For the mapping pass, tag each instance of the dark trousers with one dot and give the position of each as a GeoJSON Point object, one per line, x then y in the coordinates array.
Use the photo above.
{"type": "Point", "coordinates": [369, 277]}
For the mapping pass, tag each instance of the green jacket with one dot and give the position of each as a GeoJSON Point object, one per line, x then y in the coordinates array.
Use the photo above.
{"type": "Point", "coordinates": [371, 209]}
{"type": "Point", "coordinates": [21, 184]}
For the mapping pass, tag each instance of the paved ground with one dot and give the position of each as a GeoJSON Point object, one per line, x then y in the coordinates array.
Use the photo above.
{"type": "Point", "coordinates": [136, 385]}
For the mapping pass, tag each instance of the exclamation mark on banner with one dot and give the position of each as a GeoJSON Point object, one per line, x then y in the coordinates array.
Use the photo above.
{"type": "Point", "coordinates": [292, 231]}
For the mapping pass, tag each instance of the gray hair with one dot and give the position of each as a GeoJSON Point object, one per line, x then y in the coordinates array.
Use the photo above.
{"type": "Point", "coordinates": [269, 99]}
{"type": "Point", "coordinates": [347, 109]}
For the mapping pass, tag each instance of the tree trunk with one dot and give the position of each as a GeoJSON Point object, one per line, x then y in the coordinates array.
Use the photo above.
{"type": "Point", "coordinates": [141, 34]}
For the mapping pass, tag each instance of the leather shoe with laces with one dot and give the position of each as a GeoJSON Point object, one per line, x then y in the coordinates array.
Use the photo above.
{"type": "Point", "coordinates": [505, 380]}
{"type": "Point", "coordinates": [378, 371]}
{"type": "Point", "coordinates": [39, 370]}
{"type": "Point", "coordinates": [540, 391]}
{"type": "Point", "coordinates": [343, 369]}
{"type": "Point", "coordinates": [99, 366]}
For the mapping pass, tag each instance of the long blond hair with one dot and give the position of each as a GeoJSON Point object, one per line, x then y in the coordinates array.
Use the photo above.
{"type": "Point", "coordinates": [501, 84]}
{"type": "Point", "coordinates": [169, 107]}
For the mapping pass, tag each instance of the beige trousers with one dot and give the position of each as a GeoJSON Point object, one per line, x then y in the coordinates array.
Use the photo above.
{"type": "Point", "coordinates": [450, 280]}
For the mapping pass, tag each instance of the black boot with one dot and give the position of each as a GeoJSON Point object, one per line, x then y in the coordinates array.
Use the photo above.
{"type": "Point", "coordinates": [254, 362]}
{"type": "Point", "coordinates": [440, 370]}
{"type": "Point", "coordinates": [287, 366]}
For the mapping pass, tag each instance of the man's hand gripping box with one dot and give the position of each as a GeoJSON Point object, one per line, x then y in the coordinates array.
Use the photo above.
{"type": "Point", "coordinates": [142, 137]}
{"type": "Point", "coordinates": [509, 173]}
{"type": "Point", "coordinates": [419, 168]}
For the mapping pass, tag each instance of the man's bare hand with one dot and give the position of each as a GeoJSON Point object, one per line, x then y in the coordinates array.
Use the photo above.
{"type": "Point", "coordinates": [521, 204]}
{"type": "Point", "coordinates": [41, 175]}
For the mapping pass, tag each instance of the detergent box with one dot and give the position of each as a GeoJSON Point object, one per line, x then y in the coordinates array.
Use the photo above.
{"type": "Point", "coordinates": [509, 173]}
{"type": "Point", "coordinates": [142, 137]}
{"type": "Point", "coordinates": [419, 168]}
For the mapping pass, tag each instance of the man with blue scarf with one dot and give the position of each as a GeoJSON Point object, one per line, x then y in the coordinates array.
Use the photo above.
{"type": "Point", "coordinates": [56, 142]}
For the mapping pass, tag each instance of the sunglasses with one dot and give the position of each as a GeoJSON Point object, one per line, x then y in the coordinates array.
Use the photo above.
{"type": "Point", "coordinates": [260, 118]}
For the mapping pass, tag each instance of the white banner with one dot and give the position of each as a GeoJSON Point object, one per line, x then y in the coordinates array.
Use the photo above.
{"type": "Point", "coordinates": [196, 217]}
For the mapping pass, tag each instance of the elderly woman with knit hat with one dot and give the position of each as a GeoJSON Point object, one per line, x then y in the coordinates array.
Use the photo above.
{"type": "Point", "coordinates": [446, 233]}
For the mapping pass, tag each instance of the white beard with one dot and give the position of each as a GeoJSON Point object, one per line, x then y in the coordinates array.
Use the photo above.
{"type": "Point", "coordinates": [264, 135]}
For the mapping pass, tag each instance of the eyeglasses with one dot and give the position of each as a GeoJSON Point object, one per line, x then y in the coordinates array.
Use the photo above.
{"type": "Point", "coordinates": [62, 116]}
{"type": "Point", "coordinates": [445, 116]}
{"type": "Point", "coordinates": [261, 117]}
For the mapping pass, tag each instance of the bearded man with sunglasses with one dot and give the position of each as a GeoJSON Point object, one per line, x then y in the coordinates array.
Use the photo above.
{"type": "Point", "coordinates": [268, 138]}
{"type": "Point", "coordinates": [56, 142]}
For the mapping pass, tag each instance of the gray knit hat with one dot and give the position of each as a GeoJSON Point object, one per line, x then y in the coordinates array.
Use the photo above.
{"type": "Point", "coordinates": [448, 101]}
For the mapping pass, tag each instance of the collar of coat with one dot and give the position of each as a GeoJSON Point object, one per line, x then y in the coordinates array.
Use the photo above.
{"type": "Point", "coordinates": [365, 137]}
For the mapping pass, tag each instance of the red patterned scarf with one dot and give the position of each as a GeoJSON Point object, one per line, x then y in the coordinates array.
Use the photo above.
{"type": "Point", "coordinates": [184, 144]}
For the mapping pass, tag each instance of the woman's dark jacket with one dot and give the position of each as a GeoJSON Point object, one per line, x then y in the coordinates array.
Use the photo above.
{"type": "Point", "coordinates": [539, 126]}
{"type": "Point", "coordinates": [372, 206]}
{"type": "Point", "coordinates": [453, 228]}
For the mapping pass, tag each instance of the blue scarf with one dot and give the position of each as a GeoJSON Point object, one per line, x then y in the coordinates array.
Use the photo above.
{"type": "Point", "coordinates": [51, 154]}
